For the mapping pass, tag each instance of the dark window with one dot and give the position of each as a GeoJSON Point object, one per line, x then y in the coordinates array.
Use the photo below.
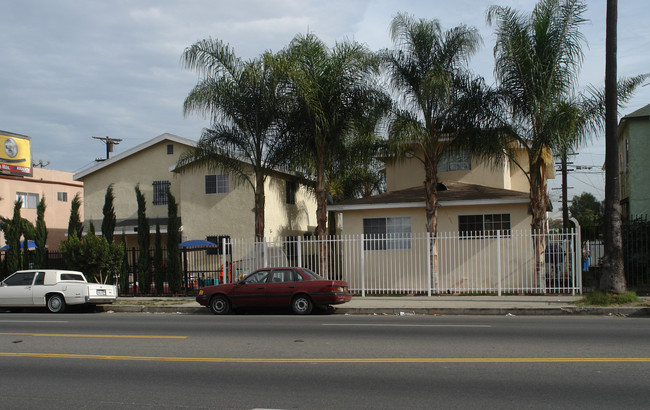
{"type": "Point", "coordinates": [40, 278]}
{"type": "Point", "coordinates": [20, 279]}
{"type": "Point", "coordinates": [160, 192]}
{"type": "Point", "coordinates": [216, 184]}
{"type": "Point", "coordinates": [257, 277]}
{"type": "Point", "coordinates": [62, 196]}
{"type": "Point", "coordinates": [170, 149]}
{"type": "Point", "coordinates": [455, 160]}
{"type": "Point", "coordinates": [219, 241]}
{"type": "Point", "coordinates": [387, 233]}
{"type": "Point", "coordinates": [284, 275]}
{"type": "Point", "coordinates": [483, 225]}
{"type": "Point", "coordinates": [291, 193]}
{"type": "Point", "coordinates": [72, 276]}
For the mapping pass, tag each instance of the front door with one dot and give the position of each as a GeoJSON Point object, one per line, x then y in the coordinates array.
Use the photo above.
{"type": "Point", "coordinates": [16, 290]}
{"type": "Point", "coordinates": [251, 291]}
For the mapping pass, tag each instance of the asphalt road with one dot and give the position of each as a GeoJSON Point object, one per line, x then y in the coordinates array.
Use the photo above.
{"type": "Point", "coordinates": [282, 361]}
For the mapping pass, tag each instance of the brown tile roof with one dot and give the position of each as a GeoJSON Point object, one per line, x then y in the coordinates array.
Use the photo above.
{"type": "Point", "coordinates": [455, 191]}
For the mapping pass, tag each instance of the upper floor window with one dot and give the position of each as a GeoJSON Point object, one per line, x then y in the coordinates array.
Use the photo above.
{"type": "Point", "coordinates": [170, 149]}
{"type": "Point", "coordinates": [30, 200]}
{"type": "Point", "coordinates": [216, 184]}
{"type": "Point", "coordinates": [455, 160]}
{"type": "Point", "coordinates": [291, 193]}
{"type": "Point", "coordinates": [483, 225]}
{"type": "Point", "coordinates": [160, 189]}
{"type": "Point", "coordinates": [62, 196]}
{"type": "Point", "coordinates": [387, 233]}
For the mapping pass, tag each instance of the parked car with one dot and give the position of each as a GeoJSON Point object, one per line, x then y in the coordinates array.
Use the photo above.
{"type": "Point", "coordinates": [53, 288]}
{"type": "Point", "coordinates": [298, 288]}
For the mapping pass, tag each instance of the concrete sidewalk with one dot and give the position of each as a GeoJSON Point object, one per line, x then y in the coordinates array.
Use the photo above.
{"type": "Point", "coordinates": [410, 305]}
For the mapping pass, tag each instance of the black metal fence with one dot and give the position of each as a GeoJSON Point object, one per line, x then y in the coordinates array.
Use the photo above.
{"type": "Point", "coordinates": [199, 269]}
{"type": "Point", "coordinates": [636, 251]}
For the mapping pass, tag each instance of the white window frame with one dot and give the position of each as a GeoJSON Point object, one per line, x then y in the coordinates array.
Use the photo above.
{"type": "Point", "coordinates": [387, 233]}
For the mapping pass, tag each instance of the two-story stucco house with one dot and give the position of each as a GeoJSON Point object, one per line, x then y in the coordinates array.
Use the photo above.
{"type": "Point", "coordinates": [473, 197]}
{"type": "Point", "coordinates": [210, 203]}
{"type": "Point", "coordinates": [634, 167]}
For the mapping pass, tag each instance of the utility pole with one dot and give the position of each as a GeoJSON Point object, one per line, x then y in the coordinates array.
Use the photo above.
{"type": "Point", "coordinates": [110, 142]}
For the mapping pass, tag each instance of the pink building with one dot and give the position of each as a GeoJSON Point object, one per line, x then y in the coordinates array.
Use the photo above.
{"type": "Point", "coordinates": [57, 187]}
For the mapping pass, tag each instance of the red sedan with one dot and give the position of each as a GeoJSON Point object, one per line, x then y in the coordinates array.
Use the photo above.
{"type": "Point", "coordinates": [299, 288]}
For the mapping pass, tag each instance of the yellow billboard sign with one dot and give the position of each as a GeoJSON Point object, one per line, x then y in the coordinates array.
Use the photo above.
{"type": "Point", "coordinates": [15, 154]}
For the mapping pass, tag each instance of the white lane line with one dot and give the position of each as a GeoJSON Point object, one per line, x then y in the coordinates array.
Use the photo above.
{"type": "Point", "coordinates": [33, 321]}
{"type": "Point", "coordinates": [398, 325]}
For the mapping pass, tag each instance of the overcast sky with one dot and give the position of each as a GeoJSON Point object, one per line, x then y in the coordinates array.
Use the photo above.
{"type": "Point", "coordinates": [76, 69]}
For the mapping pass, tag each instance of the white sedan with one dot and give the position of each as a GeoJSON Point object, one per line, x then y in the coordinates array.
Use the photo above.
{"type": "Point", "coordinates": [53, 288]}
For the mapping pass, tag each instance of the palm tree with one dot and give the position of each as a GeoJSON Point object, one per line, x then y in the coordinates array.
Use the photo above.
{"type": "Point", "coordinates": [244, 100]}
{"type": "Point", "coordinates": [582, 116]}
{"type": "Point", "coordinates": [334, 98]}
{"type": "Point", "coordinates": [537, 61]}
{"type": "Point", "coordinates": [427, 69]}
{"type": "Point", "coordinates": [334, 101]}
{"type": "Point", "coordinates": [613, 277]}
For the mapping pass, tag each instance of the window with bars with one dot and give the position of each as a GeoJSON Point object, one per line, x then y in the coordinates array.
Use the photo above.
{"type": "Point", "coordinates": [30, 200]}
{"type": "Point", "coordinates": [160, 192]}
{"type": "Point", "coordinates": [170, 149]}
{"type": "Point", "coordinates": [216, 184]}
{"type": "Point", "coordinates": [291, 192]}
{"type": "Point", "coordinates": [455, 160]}
{"type": "Point", "coordinates": [483, 225]}
{"type": "Point", "coordinates": [387, 233]}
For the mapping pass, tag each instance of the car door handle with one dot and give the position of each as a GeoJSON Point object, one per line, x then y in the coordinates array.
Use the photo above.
{"type": "Point", "coordinates": [260, 287]}
{"type": "Point", "coordinates": [291, 287]}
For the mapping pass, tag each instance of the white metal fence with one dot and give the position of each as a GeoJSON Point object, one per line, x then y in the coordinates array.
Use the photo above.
{"type": "Point", "coordinates": [453, 263]}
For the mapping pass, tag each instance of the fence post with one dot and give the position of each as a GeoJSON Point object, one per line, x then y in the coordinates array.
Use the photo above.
{"type": "Point", "coordinates": [363, 266]}
{"type": "Point", "coordinates": [428, 245]}
{"type": "Point", "coordinates": [499, 261]}
{"type": "Point", "coordinates": [224, 261]}
{"type": "Point", "coordinates": [135, 270]}
{"type": "Point", "coordinates": [265, 251]}
{"type": "Point", "coordinates": [299, 249]}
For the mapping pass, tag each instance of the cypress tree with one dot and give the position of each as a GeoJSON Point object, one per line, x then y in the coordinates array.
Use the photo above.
{"type": "Point", "coordinates": [174, 273]}
{"type": "Point", "coordinates": [74, 224]}
{"type": "Point", "coordinates": [40, 235]}
{"type": "Point", "coordinates": [110, 220]}
{"type": "Point", "coordinates": [144, 259]}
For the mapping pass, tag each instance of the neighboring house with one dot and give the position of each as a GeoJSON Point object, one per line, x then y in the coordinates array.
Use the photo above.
{"type": "Point", "coordinates": [634, 167]}
{"type": "Point", "coordinates": [473, 197]}
{"type": "Point", "coordinates": [211, 203]}
{"type": "Point", "coordinates": [57, 187]}
{"type": "Point", "coordinates": [475, 201]}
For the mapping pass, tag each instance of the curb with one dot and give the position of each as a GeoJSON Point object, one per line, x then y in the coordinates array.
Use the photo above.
{"type": "Point", "coordinates": [550, 311]}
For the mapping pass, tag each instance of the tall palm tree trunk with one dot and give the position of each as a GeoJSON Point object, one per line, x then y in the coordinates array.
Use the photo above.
{"type": "Point", "coordinates": [538, 206]}
{"type": "Point", "coordinates": [431, 188]}
{"type": "Point", "coordinates": [259, 207]}
{"type": "Point", "coordinates": [321, 215]}
{"type": "Point", "coordinates": [613, 277]}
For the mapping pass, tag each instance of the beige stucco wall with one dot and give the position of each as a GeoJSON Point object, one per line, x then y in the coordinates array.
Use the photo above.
{"type": "Point", "coordinates": [284, 219]}
{"type": "Point", "coordinates": [141, 168]}
{"type": "Point", "coordinates": [201, 214]}
{"type": "Point", "coordinates": [352, 221]}
{"type": "Point", "coordinates": [46, 183]}
{"type": "Point", "coordinates": [409, 172]}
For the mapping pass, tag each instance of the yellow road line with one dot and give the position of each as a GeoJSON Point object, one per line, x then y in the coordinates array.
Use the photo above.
{"type": "Point", "coordinates": [97, 336]}
{"type": "Point", "coordinates": [338, 360]}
